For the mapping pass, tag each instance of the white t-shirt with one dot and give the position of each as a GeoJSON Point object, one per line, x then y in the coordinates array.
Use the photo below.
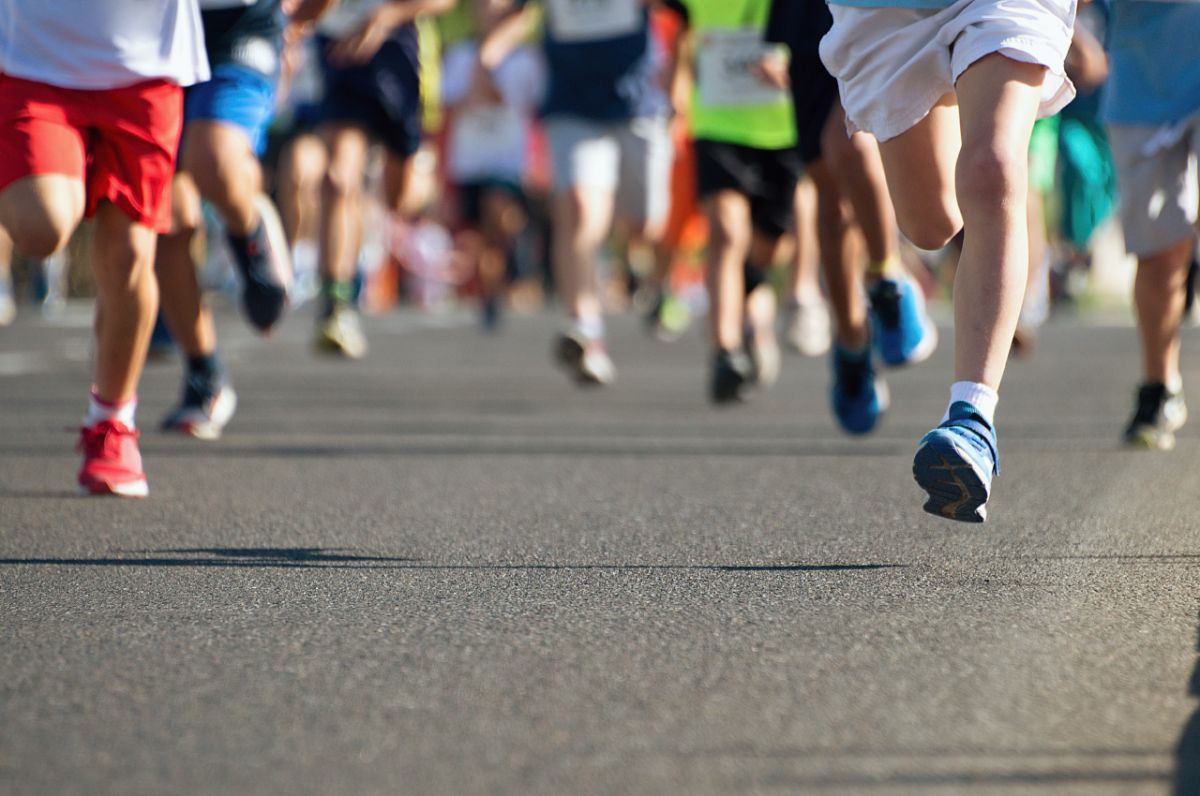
{"type": "Point", "coordinates": [492, 141]}
{"type": "Point", "coordinates": [102, 44]}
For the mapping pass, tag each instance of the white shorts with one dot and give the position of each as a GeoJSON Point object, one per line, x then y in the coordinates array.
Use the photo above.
{"type": "Point", "coordinates": [894, 64]}
{"type": "Point", "coordinates": [1160, 189]}
{"type": "Point", "coordinates": [631, 157]}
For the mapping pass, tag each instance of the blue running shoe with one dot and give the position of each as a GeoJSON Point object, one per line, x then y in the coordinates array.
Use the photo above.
{"type": "Point", "coordinates": [904, 333]}
{"type": "Point", "coordinates": [859, 396]}
{"type": "Point", "coordinates": [955, 463]}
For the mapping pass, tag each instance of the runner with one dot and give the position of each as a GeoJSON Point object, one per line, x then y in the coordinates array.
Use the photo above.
{"type": "Point", "coordinates": [747, 170]}
{"type": "Point", "coordinates": [372, 76]}
{"type": "Point", "coordinates": [951, 89]}
{"type": "Point", "coordinates": [487, 154]}
{"type": "Point", "coordinates": [90, 130]}
{"type": "Point", "coordinates": [605, 116]}
{"type": "Point", "coordinates": [224, 132]}
{"type": "Point", "coordinates": [1152, 106]}
{"type": "Point", "coordinates": [883, 306]}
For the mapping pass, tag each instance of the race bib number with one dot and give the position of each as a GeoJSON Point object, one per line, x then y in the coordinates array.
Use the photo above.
{"type": "Point", "coordinates": [725, 68]}
{"type": "Point", "coordinates": [592, 20]}
{"type": "Point", "coordinates": [489, 133]}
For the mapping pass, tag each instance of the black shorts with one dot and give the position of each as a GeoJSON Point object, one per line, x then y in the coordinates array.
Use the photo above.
{"type": "Point", "coordinates": [767, 177]}
{"type": "Point", "coordinates": [470, 198]}
{"type": "Point", "coordinates": [383, 96]}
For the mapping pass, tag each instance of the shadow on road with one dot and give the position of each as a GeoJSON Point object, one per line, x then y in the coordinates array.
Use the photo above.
{"type": "Point", "coordinates": [340, 558]}
{"type": "Point", "coordinates": [1187, 751]}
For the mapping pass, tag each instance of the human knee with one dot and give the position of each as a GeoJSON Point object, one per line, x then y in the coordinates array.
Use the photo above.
{"type": "Point", "coordinates": [728, 228]}
{"type": "Point", "coordinates": [39, 235]}
{"type": "Point", "coordinates": [930, 230]}
{"type": "Point", "coordinates": [990, 174]}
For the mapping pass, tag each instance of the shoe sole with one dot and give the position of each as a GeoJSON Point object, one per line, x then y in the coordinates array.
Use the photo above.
{"type": "Point", "coordinates": [956, 488]}
{"type": "Point", "coordinates": [129, 489]}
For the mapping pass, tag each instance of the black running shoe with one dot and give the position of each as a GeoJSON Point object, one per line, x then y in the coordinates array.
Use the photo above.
{"type": "Point", "coordinates": [1159, 413]}
{"type": "Point", "coordinates": [732, 372]}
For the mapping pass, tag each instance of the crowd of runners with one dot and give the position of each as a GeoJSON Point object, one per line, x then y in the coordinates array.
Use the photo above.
{"type": "Point", "coordinates": [811, 155]}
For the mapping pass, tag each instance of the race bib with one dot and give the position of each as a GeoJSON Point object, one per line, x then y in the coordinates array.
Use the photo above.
{"type": "Point", "coordinates": [725, 68]}
{"type": "Point", "coordinates": [592, 20]}
{"type": "Point", "coordinates": [488, 134]}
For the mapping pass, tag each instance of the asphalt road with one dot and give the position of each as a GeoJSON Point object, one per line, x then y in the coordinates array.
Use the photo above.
{"type": "Point", "coordinates": [446, 570]}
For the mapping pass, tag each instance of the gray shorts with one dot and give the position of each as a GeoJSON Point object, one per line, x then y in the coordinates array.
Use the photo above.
{"type": "Point", "coordinates": [632, 158]}
{"type": "Point", "coordinates": [1157, 174]}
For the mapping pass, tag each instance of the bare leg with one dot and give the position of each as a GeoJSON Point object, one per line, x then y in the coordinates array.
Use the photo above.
{"type": "Point", "coordinates": [226, 171]}
{"type": "Point", "coordinates": [127, 298]}
{"type": "Point", "coordinates": [841, 260]}
{"type": "Point", "coordinates": [729, 244]}
{"type": "Point", "coordinates": [999, 100]}
{"type": "Point", "coordinates": [804, 286]}
{"type": "Point", "coordinates": [856, 165]}
{"type": "Point", "coordinates": [190, 322]}
{"type": "Point", "coordinates": [920, 164]}
{"type": "Point", "coordinates": [299, 187]}
{"type": "Point", "coordinates": [582, 218]}
{"type": "Point", "coordinates": [40, 213]}
{"type": "Point", "coordinates": [1158, 292]}
{"type": "Point", "coordinates": [341, 208]}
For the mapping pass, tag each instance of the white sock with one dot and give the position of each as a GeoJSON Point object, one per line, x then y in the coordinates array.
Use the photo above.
{"type": "Point", "coordinates": [99, 409]}
{"type": "Point", "coordinates": [980, 396]}
{"type": "Point", "coordinates": [589, 326]}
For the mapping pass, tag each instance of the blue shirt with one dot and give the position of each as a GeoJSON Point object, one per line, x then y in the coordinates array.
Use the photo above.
{"type": "Point", "coordinates": [1154, 52]}
{"type": "Point", "coordinates": [604, 79]}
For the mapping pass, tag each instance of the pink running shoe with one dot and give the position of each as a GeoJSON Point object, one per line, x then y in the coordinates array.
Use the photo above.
{"type": "Point", "coordinates": [112, 463]}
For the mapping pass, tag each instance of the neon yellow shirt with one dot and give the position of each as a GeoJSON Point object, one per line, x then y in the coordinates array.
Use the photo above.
{"type": "Point", "coordinates": [730, 103]}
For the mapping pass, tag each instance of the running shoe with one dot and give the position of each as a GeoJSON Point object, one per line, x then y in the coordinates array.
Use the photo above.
{"type": "Point", "coordinates": [669, 318]}
{"type": "Point", "coordinates": [732, 372]}
{"type": "Point", "coordinates": [340, 333]}
{"type": "Point", "coordinates": [759, 337]}
{"type": "Point", "coordinates": [955, 463]}
{"type": "Point", "coordinates": [904, 333]}
{"type": "Point", "coordinates": [806, 328]}
{"type": "Point", "coordinates": [859, 395]}
{"type": "Point", "coordinates": [586, 361]}
{"type": "Point", "coordinates": [266, 269]}
{"type": "Point", "coordinates": [1158, 414]}
{"type": "Point", "coordinates": [765, 358]}
{"type": "Point", "coordinates": [112, 463]}
{"type": "Point", "coordinates": [206, 408]}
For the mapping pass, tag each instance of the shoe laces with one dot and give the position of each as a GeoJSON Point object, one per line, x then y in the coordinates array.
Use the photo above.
{"type": "Point", "coordinates": [103, 440]}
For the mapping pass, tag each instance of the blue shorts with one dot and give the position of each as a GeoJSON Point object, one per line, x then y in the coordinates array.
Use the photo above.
{"type": "Point", "coordinates": [235, 95]}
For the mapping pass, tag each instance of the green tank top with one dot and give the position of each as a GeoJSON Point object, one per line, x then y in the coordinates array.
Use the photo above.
{"type": "Point", "coordinates": [729, 102]}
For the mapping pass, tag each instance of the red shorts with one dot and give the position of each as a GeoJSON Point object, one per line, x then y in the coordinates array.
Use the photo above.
{"type": "Point", "coordinates": [120, 143]}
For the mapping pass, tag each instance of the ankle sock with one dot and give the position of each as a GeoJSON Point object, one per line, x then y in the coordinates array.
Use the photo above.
{"type": "Point", "coordinates": [878, 269]}
{"type": "Point", "coordinates": [981, 396]}
{"type": "Point", "coordinates": [590, 327]}
{"type": "Point", "coordinates": [100, 409]}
